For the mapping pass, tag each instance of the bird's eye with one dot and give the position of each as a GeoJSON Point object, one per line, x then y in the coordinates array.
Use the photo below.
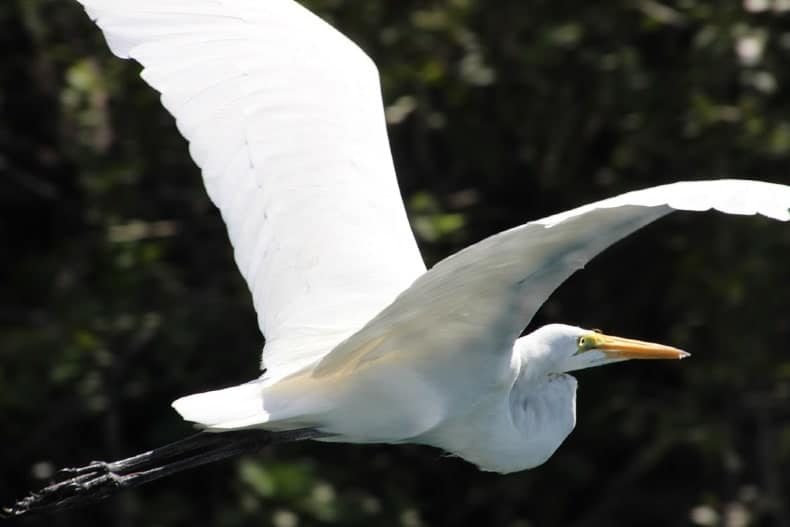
{"type": "Point", "coordinates": [585, 342]}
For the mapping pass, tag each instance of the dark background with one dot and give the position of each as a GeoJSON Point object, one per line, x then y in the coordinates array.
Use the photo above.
{"type": "Point", "coordinates": [118, 292]}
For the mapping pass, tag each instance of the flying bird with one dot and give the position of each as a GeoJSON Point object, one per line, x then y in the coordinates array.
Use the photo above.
{"type": "Point", "coordinates": [284, 117]}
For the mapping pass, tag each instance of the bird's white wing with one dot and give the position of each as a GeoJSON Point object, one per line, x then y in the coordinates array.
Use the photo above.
{"type": "Point", "coordinates": [284, 116]}
{"type": "Point", "coordinates": [482, 297]}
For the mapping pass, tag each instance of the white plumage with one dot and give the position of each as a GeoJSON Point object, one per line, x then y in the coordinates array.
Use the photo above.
{"type": "Point", "coordinates": [284, 116]}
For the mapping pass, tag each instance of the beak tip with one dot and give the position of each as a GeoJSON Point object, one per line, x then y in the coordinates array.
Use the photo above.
{"type": "Point", "coordinates": [683, 354]}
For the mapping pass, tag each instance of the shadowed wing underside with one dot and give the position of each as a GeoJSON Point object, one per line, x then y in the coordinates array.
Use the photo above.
{"type": "Point", "coordinates": [482, 297]}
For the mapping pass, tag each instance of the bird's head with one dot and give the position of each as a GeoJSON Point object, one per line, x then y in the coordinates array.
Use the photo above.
{"type": "Point", "coordinates": [543, 398]}
{"type": "Point", "coordinates": [558, 348]}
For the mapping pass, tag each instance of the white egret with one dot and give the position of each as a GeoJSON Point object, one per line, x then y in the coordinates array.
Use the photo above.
{"type": "Point", "coordinates": [284, 116]}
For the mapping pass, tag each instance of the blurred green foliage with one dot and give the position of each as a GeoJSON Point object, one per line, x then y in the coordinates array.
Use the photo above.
{"type": "Point", "coordinates": [119, 292]}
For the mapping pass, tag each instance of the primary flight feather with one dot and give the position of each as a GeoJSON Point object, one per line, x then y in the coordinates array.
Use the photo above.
{"type": "Point", "coordinates": [284, 117]}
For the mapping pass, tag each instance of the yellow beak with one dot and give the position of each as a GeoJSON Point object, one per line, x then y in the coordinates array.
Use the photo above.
{"type": "Point", "coordinates": [621, 348]}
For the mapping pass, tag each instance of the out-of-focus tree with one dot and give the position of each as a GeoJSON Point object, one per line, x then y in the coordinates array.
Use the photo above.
{"type": "Point", "coordinates": [119, 292]}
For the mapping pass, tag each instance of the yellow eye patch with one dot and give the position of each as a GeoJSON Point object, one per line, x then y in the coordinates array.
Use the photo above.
{"type": "Point", "coordinates": [587, 342]}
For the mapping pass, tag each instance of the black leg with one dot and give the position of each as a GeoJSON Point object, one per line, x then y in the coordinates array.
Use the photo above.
{"type": "Point", "coordinates": [98, 480]}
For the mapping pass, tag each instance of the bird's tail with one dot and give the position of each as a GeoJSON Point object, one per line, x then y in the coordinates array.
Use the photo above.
{"type": "Point", "coordinates": [230, 408]}
{"type": "Point", "coordinates": [97, 480]}
{"type": "Point", "coordinates": [286, 404]}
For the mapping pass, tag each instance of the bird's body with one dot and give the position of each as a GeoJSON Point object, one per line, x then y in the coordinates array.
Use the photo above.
{"type": "Point", "coordinates": [530, 404]}
{"type": "Point", "coordinates": [285, 119]}
{"type": "Point", "coordinates": [424, 398]}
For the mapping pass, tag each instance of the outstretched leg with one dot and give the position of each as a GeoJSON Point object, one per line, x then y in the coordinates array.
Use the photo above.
{"type": "Point", "coordinates": [98, 480]}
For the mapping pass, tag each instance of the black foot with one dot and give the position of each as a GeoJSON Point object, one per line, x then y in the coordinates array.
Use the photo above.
{"type": "Point", "coordinates": [87, 484]}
